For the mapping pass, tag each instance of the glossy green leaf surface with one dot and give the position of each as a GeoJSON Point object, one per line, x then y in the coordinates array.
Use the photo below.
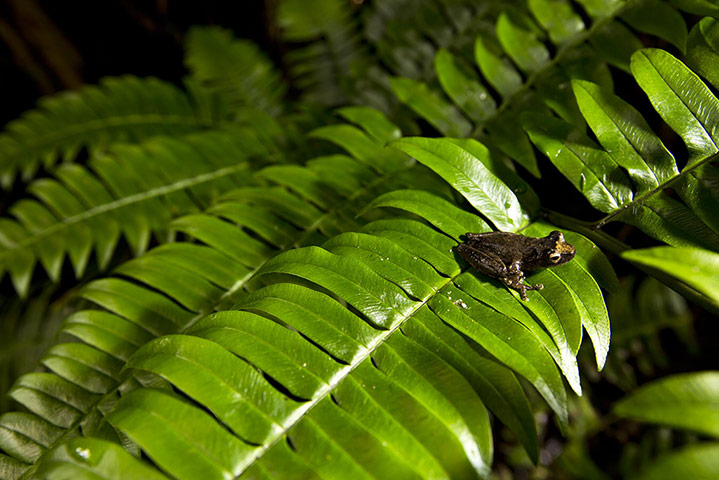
{"type": "Point", "coordinates": [695, 267]}
{"type": "Point", "coordinates": [88, 458]}
{"type": "Point", "coordinates": [372, 121]}
{"type": "Point", "coordinates": [519, 38]}
{"type": "Point", "coordinates": [681, 98]}
{"type": "Point", "coordinates": [558, 18]}
{"type": "Point", "coordinates": [297, 329]}
{"type": "Point", "coordinates": [209, 450]}
{"type": "Point", "coordinates": [702, 49]}
{"type": "Point", "coordinates": [442, 115]}
{"type": "Point", "coordinates": [467, 93]}
{"type": "Point", "coordinates": [591, 170]}
{"type": "Point", "coordinates": [498, 72]}
{"type": "Point", "coordinates": [698, 7]}
{"type": "Point", "coordinates": [469, 176]}
{"type": "Point", "coordinates": [588, 298]}
{"type": "Point", "coordinates": [687, 401]}
{"type": "Point", "coordinates": [626, 136]}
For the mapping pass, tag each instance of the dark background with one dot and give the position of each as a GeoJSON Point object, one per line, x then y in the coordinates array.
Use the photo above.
{"type": "Point", "coordinates": [48, 46]}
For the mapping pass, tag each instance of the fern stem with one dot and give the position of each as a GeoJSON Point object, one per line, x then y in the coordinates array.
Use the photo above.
{"type": "Point", "coordinates": [657, 189]}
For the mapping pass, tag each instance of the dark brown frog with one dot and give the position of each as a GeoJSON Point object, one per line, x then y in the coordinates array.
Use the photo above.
{"type": "Point", "coordinates": [506, 256]}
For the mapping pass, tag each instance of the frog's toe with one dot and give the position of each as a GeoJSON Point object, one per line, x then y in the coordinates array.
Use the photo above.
{"type": "Point", "coordinates": [538, 286]}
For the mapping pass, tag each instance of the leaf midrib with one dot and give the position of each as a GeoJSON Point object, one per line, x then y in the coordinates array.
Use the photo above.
{"type": "Point", "coordinates": [621, 132]}
{"type": "Point", "coordinates": [41, 142]}
{"type": "Point", "coordinates": [123, 202]}
{"type": "Point", "coordinates": [346, 371]}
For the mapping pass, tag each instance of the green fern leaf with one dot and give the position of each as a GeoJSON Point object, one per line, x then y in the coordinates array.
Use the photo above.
{"type": "Point", "coordinates": [131, 191]}
{"type": "Point", "coordinates": [391, 286]}
{"type": "Point", "coordinates": [235, 69]}
{"type": "Point", "coordinates": [120, 109]}
{"type": "Point", "coordinates": [693, 266]}
{"type": "Point", "coordinates": [696, 460]}
{"type": "Point", "coordinates": [666, 402]}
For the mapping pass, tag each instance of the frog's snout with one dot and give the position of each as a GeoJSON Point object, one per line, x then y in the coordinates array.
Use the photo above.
{"type": "Point", "coordinates": [564, 248]}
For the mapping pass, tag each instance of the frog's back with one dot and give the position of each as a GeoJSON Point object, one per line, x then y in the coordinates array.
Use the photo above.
{"type": "Point", "coordinates": [508, 246]}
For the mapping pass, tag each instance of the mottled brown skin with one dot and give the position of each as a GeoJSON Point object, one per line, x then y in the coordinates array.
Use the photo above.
{"type": "Point", "coordinates": [506, 256]}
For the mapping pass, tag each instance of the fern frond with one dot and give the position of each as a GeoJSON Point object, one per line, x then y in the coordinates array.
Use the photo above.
{"type": "Point", "coordinates": [424, 338]}
{"type": "Point", "coordinates": [327, 60]}
{"type": "Point", "coordinates": [686, 401]}
{"type": "Point", "coordinates": [692, 266]}
{"type": "Point", "coordinates": [131, 190]}
{"type": "Point", "coordinates": [119, 109]}
{"type": "Point", "coordinates": [27, 330]}
{"type": "Point", "coordinates": [236, 69]}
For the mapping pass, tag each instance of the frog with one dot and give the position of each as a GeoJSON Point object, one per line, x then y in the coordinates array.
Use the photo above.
{"type": "Point", "coordinates": [506, 256]}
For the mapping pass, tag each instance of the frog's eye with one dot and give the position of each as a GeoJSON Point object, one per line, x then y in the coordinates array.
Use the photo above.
{"type": "Point", "coordinates": [554, 257]}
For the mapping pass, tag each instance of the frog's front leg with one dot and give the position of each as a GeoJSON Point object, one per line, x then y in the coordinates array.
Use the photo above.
{"type": "Point", "coordinates": [515, 280]}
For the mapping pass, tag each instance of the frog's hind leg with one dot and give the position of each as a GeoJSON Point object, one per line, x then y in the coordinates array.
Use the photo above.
{"type": "Point", "coordinates": [515, 280]}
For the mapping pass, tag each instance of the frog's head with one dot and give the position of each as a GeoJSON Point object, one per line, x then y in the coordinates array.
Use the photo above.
{"type": "Point", "coordinates": [560, 251]}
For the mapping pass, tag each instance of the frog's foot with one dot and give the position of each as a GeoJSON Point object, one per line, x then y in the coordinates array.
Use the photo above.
{"type": "Point", "coordinates": [524, 287]}
{"type": "Point", "coordinates": [516, 282]}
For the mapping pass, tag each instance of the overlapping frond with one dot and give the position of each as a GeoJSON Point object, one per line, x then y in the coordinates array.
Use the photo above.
{"type": "Point", "coordinates": [630, 175]}
{"type": "Point", "coordinates": [688, 401]}
{"type": "Point", "coordinates": [371, 347]}
{"type": "Point", "coordinates": [119, 109]}
{"type": "Point", "coordinates": [27, 329]}
{"type": "Point", "coordinates": [527, 53]}
{"type": "Point", "coordinates": [470, 69]}
{"type": "Point", "coordinates": [130, 191]}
